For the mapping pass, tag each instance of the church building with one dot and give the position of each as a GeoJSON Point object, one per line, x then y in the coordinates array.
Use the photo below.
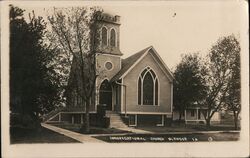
{"type": "Point", "coordinates": [139, 88]}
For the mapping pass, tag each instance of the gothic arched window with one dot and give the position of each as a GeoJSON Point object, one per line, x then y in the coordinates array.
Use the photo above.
{"type": "Point", "coordinates": [112, 37]}
{"type": "Point", "coordinates": [104, 36]}
{"type": "Point", "coordinates": [148, 88]}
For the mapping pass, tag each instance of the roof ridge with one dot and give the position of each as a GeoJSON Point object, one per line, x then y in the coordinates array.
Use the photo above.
{"type": "Point", "coordinates": [143, 50]}
{"type": "Point", "coordinates": [129, 62]}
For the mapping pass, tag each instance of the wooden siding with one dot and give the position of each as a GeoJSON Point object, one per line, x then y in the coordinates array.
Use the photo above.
{"type": "Point", "coordinates": [131, 79]}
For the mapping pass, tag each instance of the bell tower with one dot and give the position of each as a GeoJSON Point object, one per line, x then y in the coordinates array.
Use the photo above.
{"type": "Point", "coordinates": [108, 34]}
{"type": "Point", "coordinates": [107, 44]}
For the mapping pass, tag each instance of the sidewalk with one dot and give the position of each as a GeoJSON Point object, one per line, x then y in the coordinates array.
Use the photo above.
{"type": "Point", "coordinates": [134, 130]}
{"type": "Point", "coordinates": [77, 136]}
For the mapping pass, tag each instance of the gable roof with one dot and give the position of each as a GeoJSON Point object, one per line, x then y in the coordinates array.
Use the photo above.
{"type": "Point", "coordinates": [130, 62]}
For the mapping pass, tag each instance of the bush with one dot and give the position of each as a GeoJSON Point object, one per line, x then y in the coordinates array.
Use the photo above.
{"type": "Point", "coordinates": [101, 110]}
{"type": "Point", "coordinates": [15, 119]}
{"type": "Point", "coordinates": [24, 121]}
{"type": "Point", "coordinates": [106, 122]}
{"type": "Point", "coordinates": [201, 122]}
{"type": "Point", "coordinates": [168, 122]}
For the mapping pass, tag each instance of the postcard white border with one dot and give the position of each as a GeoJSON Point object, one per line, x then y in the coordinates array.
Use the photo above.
{"type": "Point", "coordinates": [208, 149]}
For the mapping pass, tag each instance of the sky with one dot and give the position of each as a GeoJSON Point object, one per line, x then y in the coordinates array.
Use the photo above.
{"type": "Point", "coordinates": [171, 27]}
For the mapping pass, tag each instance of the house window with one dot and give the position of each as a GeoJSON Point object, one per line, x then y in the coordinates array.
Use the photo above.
{"type": "Point", "coordinates": [112, 37]}
{"type": "Point", "coordinates": [192, 113]}
{"type": "Point", "coordinates": [132, 120]}
{"type": "Point", "coordinates": [78, 100]}
{"type": "Point", "coordinates": [104, 36]}
{"type": "Point", "coordinates": [148, 88]}
{"type": "Point", "coordinates": [199, 114]}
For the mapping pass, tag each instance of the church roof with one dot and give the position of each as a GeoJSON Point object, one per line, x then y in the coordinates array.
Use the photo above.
{"type": "Point", "coordinates": [128, 62]}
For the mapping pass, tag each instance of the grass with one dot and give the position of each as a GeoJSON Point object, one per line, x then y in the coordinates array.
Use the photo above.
{"type": "Point", "coordinates": [176, 127]}
{"type": "Point", "coordinates": [42, 135]}
{"type": "Point", "coordinates": [93, 130]}
{"type": "Point", "coordinates": [96, 130]}
{"type": "Point", "coordinates": [212, 128]}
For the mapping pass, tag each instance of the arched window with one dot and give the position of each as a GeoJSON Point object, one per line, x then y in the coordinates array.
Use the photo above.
{"type": "Point", "coordinates": [112, 37]}
{"type": "Point", "coordinates": [104, 36]}
{"type": "Point", "coordinates": [148, 88]}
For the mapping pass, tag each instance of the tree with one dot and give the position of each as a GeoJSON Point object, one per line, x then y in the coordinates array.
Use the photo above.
{"type": "Point", "coordinates": [189, 83]}
{"type": "Point", "coordinates": [31, 88]}
{"type": "Point", "coordinates": [221, 62]}
{"type": "Point", "coordinates": [233, 96]}
{"type": "Point", "coordinates": [72, 32]}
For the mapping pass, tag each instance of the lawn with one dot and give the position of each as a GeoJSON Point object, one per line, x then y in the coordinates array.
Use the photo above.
{"type": "Point", "coordinates": [188, 128]}
{"type": "Point", "coordinates": [97, 130]}
{"type": "Point", "coordinates": [42, 135]}
{"type": "Point", "coordinates": [93, 130]}
{"type": "Point", "coordinates": [212, 128]}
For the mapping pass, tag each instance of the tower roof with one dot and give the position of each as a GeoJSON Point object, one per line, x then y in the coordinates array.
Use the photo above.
{"type": "Point", "coordinates": [115, 19]}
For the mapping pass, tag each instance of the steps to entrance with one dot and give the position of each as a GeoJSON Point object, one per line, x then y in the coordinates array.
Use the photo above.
{"type": "Point", "coordinates": [115, 120]}
{"type": "Point", "coordinates": [51, 114]}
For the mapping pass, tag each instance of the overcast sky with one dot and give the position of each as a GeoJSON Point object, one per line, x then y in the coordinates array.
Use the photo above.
{"type": "Point", "coordinates": [172, 27]}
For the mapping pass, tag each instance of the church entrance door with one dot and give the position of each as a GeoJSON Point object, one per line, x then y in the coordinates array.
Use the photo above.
{"type": "Point", "coordinates": [105, 94]}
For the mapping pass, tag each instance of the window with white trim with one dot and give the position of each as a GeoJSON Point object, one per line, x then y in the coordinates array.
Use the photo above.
{"type": "Point", "coordinates": [104, 36]}
{"type": "Point", "coordinates": [148, 88]}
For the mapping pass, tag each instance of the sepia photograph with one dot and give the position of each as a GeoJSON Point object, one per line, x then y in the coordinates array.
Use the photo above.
{"type": "Point", "coordinates": [78, 77]}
